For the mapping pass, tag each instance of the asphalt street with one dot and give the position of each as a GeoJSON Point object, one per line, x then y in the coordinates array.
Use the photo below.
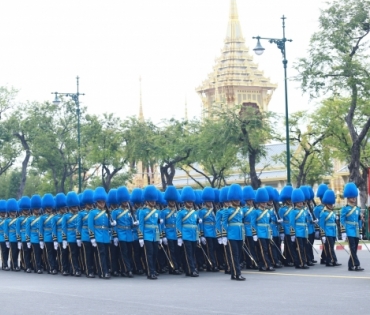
{"type": "Point", "coordinates": [319, 290]}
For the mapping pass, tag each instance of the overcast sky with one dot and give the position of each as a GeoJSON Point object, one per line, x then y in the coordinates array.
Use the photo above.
{"type": "Point", "coordinates": [171, 44]}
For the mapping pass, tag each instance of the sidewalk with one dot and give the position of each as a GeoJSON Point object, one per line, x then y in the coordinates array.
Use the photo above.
{"type": "Point", "coordinates": [318, 245]}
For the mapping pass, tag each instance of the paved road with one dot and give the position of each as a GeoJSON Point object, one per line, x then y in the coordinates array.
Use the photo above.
{"type": "Point", "coordinates": [320, 290]}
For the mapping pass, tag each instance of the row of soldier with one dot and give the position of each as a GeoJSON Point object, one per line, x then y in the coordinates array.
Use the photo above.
{"type": "Point", "coordinates": [188, 231]}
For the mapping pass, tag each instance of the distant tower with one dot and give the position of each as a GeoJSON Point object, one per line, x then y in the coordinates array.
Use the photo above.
{"type": "Point", "coordinates": [235, 78]}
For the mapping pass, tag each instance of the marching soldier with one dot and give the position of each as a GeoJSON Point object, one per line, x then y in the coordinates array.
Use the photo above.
{"type": "Point", "coordinates": [351, 225]}
{"type": "Point", "coordinates": [10, 233]}
{"type": "Point", "coordinates": [317, 212]}
{"type": "Point", "coordinates": [187, 231]}
{"type": "Point", "coordinates": [4, 248]}
{"type": "Point", "coordinates": [328, 228]}
{"type": "Point", "coordinates": [150, 230]}
{"type": "Point", "coordinates": [232, 225]}
{"type": "Point", "coordinates": [114, 254]}
{"type": "Point", "coordinates": [24, 208]}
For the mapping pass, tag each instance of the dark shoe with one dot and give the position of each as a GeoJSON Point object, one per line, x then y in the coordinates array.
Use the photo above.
{"type": "Point", "coordinates": [107, 276]}
{"type": "Point", "coordinates": [65, 273]}
{"type": "Point", "coordinates": [215, 269]}
{"type": "Point", "coordinates": [17, 269]}
{"type": "Point", "coordinates": [262, 269]}
{"type": "Point", "coordinates": [175, 272]}
{"type": "Point", "coordinates": [115, 274]}
{"type": "Point", "coordinates": [130, 274]}
{"type": "Point", "coordinates": [330, 265]}
{"type": "Point", "coordinates": [238, 278]}
{"type": "Point", "coordinates": [359, 268]}
{"type": "Point", "coordinates": [310, 264]}
{"type": "Point", "coordinates": [90, 275]}
{"type": "Point", "coordinates": [29, 270]}
{"type": "Point", "coordinates": [54, 272]}
{"type": "Point", "coordinates": [40, 272]}
{"type": "Point", "coordinates": [156, 273]}
{"type": "Point", "coordinates": [227, 272]}
{"type": "Point", "coordinates": [302, 267]}
{"type": "Point", "coordinates": [289, 265]}
{"type": "Point", "coordinates": [140, 272]}
{"type": "Point", "coordinates": [152, 277]}
{"type": "Point", "coordinates": [200, 268]}
{"type": "Point", "coordinates": [278, 265]}
{"type": "Point", "coordinates": [194, 274]}
{"type": "Point", "coordinates": [270, 269]}
{"type": "Point", "coordinates": [6, 268]}
{"type": "Point", "coordinates": [314, 261]}
{"type": "Point", "coordinates": [78, 274]}
{"type": "Point", "coordinates": [336, 264]}
{"type": "Point", "coordinates": [163, 270]}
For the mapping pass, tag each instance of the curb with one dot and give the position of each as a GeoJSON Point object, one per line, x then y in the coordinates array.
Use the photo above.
{"type": "Point", "coordinates": [336, 247]}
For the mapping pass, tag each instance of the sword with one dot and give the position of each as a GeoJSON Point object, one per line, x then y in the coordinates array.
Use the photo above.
{"type": "Point", "coordinates": [277, 248]}
{"type": "Point", "coordinates": [365, 245]}
{"type": "Point", "coordinates": [344, 248]}
{"type": "Point", "coordinates": [246, 249]}
{"type": "Point", "coordinates": [312, 247]}
{"type": "Point", "coordinates": [168, 258]}
{"type": "Point", "coordinates": [204, 253]}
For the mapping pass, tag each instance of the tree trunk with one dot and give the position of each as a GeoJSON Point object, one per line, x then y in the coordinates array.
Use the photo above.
{"type": "Point", "coordinates": [25, 162]}
{"type": "Point", "coordinates": [167, 174]}
{"type": "Point", "coordinates": [255, 181]}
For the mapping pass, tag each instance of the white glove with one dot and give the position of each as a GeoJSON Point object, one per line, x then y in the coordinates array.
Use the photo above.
{"type": "Point", "coordinates": [360, 236]}
{"type": "Point", "coordinates": [65, 244]}
{"type": "Point", "coordinates": [28, 244]}
{"type": "Point", "coordinates": [115, 241]}
{"type": "Point", "coordinates": [323, 239]}
{"type": "Point", "coordinates": [203, 240]}
{"type": "Point", "coordinates": [93, 242]}
{"type": "Point", "coordinates": [280, 220]}
{"type": "Point", "coordinates": [315, 221]}
{"type": "Point", "coordinates": [79, 243]}
{"type": "Point", "coordinates": [271, 237]}
{"type": "Point", "coordinates": [165, 241]}
{"type": "Point", "coordinates": [292, 238]}
{"type": "Point", "coordinates": [141, 242]}
{"type": "Point", "coordinates": [200, 220]}
{"type": "Point", "coordinates": [19, 245]}
{"type": "Point", "coordinates": [179, 241]}
{"type": "Point", "coordinates": [42, 244]}
{"type": "Point", "coordinates": [219, 240]}
{"type": "Point", "coordinates": [255, 238]}
{"type": "Point", "coordinates": [56, 245]}
{"type": "Point", "coordinates": [7, 244]}
{"type": "Point", "coordinates": [282, 236]}
{"type": "Point", "coordinates": [160, 221]}
{"type": "Point", "coordinates": [224, 241]}
{"type": "Point", "coordinates": [136, 222]}
{"type": "Point", "coordinates": [160, 241]}
{"type": "Point", "coordinates": [344, 236]}
{"type": "Point", "coordinates": [317, 234]}
{"type": "Point", "coordinates": [113, 223]}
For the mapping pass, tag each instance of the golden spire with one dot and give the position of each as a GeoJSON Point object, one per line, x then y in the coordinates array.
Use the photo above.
{"type": "Point", "coordinates": [234, 30]}
{"type": "Point", "coordinates": [141, 114]}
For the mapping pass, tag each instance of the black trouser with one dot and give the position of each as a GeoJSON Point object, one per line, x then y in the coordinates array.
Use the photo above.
{"type": "Point", "coordinates": [273, 250]}
{"type": "Point", "coordinates": [37, 256]}
{"type": "Point", "coordinates": [221, 260]}
{"type": "Point", "coordinates": [161, 259]}
{"type": "Point", "coordinates": [137, 255]}
{"type": "Point", "coordinates": [289, 251]}
{"type": "Point", "coordinates": [199, 257]}
{"type": "Point", "coordinates": [74, 254]}
{"type": "Point", "coordinates": [210, 249]}
{"type": "Point", "coordinates": [151, 252]}
{"type": "Point", "coordinates": [88, 253]}
{"type": "Point", "coordinates": [309, 249]}
{"type": "Point", "coordinates": [27, 256]}
{"type": "Point", "coordinates": [4, 254]}
{"type": "Point", "coordinates": [251, 248]}
{"type": "Point", "coordinates": [189, 248]}
{"type": "Point", "coordinates": [234, 251]}
{"type": "Point", "coordinates": [64, 254]}
{"type": "Point", "coordinates": [301, 244]}
{"type": "Point", "coordinates": [14, 252]}
{"type": "Point", "coordinates": [125, 249]}
{"type": "Point", "coordinates": [103, 258]}
{"type": "Point", "coordinates": [353, 260]}
{"type": "Point", "coordinates": [329, 248]}
{"type": "Point", "coordinates": [174, 253]}
{"type": "Point", "coordinates": [114, 257]}
{"type": "Point", "coordinates": [263, 252]}
{"type": "Point", "coordinates": [51, 255]}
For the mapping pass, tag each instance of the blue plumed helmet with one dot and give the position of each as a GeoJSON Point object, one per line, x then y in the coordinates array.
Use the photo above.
{"type": "Point", "coordinates": [136, 195]}
{"type": "Point", "coordinates": [262, 195]}
{"type": "Point", "coordinates": [171, 194]}
{"type": "Point", "coordinates": [24, 203]}
{"type": "Point", "coordinates": [306, 192]}
{"type": "Point", "coordinates": [100, 194]}
{"type": "Point", "coordinates": [298, 195]}
{"type": "Point", "coordinates": [60, 201]}
{"type": "Point", "coordinates": [198, 197]}
{"type": "Point", "coordinates": [48, 201]}
{"type": "Point", "coordinates": [217, 194]}
{"type": "Point", "coordinates": [112, 197]}
{"type": "Point", "coordinates": [208, 194]}
{"type": "Point", "coordinates": [248, 193]}
{"type": "Point", "coordinates": [286, 193]}
{"type": "Point", "coordinates": [159, 196]}
{"type": "Point", "coordinates": [350, 191]}
{"type": "Point", "coordinates": [12, 205]}
{"type": "Point", "coordinates": [312, 194]}
{"type": "Point", "coordinates": [271, 193]}
{"type": "Point", "coordinates": [2, 206]}
{"type": "Point", "coordinates": [72, 199]}
{"type": "Point", "coordinates": [187, 194]}
{"type": "Point", "coordinates": [329, 197]}
{"type": "Point", "coordinates": [80, 198]}
{"type": "Point", "coordinates": [88, 197]}
{"type": "Point", "coordinates": [321, 190]}
{"type": "Point", "coordinates": [235, 192]}
{"type": "Point", "coordinates": [36, 202]}
{"type": "Point", "coordinates": [276, 195]}
{"type": "Point", "coordinates": [123, 194]}
{"type": "Point", "coordinates": [164, 201]}
{"type": "Point", "coordinates": [150, 193]}
{"type": "Point", "coordinates": [223, 194]}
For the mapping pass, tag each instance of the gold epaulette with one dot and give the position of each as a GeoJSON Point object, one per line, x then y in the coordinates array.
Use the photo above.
{"type": "Point", "coordinates": [292, 231]}
{"type": "Point", "coordinates": [322, 232]}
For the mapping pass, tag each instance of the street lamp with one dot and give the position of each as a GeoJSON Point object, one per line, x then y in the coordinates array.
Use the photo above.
{"type": "Point", "coordinates": [281, 45]}
{"type": "Point", "coordinates": [75, 97]}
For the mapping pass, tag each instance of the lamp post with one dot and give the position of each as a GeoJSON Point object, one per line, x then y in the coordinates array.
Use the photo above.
{"type": "Point", "coordinates": [75, 97]}
{"type": "Point", "coordinates": [280, 42]}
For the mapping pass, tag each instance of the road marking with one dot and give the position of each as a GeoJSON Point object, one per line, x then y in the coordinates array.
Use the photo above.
{"type": "Point", "coordinates": [304, 275]}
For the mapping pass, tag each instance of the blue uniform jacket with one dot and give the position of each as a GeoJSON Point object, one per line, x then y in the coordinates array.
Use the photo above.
{"type": "Point", "coordinates": [298, 223]}
{"type": "Point", "coordinates": [219, 223]}
{"type": "Point", "coordinates": [69, 227]}
{"type": "Point", "coordinates": [284, 214]}
{"type": "Point", "coordinates": [34, 229]}
{"type": "Point", "coordinates": [47, 221]}
{"type": "Point", "coordinates": [10, 230]}
{"type": "Point", "coordinates": [232, 223]}
{"type": "Point", "coordinates": [149, 225]}
{"type": "Point", "coordinates": [82, 226]}
{"type": "Point", "coordinates": [57, 228]}
{"type": "Point", "coordinates": [261, 223]}
{"type": "Point", "coordinates": [99, 225]}
{"type": "Point", "coordinates": [310, 224]}
{"type": "Point", "coordinates": [350, 221]}
{"type": "Point", "coordinates": [124, 228]}
{"type": "Point", "coordinates": [169, 223]}
{"type": "Point", "coordinates": [2, 221]}
{"type": "Point", "coordinates": [187, 225]}
{"type": "Point", "coordinates": [21, 228]}
{"type": "Point", "coordinates": [274, 223]}
{"type": "Point", "coordinates": [248, 213]}
{"type": "Point", "coordinates": [208, 225]}
{"type": "Point", "coordinates": [328, 227]}
{"type": "Point", "coordinates": [317, 212]}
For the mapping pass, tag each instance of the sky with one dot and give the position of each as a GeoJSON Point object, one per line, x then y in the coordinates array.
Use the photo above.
{"type": "Point", "coordinates": [170, 44]}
